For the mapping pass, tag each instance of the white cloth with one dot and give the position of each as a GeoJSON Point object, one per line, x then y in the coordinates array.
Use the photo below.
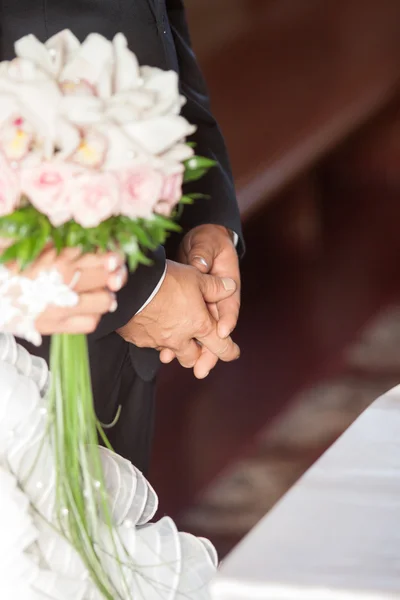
{"type": "Point", "coordinates": [335, 535]}
{"type": "Point", "coordinates": [35, 562]}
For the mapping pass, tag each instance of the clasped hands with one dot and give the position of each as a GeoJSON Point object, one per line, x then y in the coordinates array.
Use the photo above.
{"type": "Point", "coordinates": [197, 307]}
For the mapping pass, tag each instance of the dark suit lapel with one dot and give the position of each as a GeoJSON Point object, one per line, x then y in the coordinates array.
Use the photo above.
{"type": "Point", "coordinates": [153, 5]}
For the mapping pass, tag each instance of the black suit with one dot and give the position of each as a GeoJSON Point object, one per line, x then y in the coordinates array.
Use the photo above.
{"type": "Point", "coordinates": [157, 32]}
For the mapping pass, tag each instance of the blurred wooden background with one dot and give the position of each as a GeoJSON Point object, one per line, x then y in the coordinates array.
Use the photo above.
{"type": "Point", "coordinates": [307, 97]}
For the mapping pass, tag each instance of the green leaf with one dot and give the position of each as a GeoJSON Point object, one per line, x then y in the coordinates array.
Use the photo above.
{"type": "Point", "coordinates": [99, 236]}
{"type": "Point", "coordinates": [143, 259]}
{"type": "Point", "coordinates": [112, 245]}
{"type": "Point", "coordinates": [156, 232]}
{"type": "Point", "coordinates": [142, 235]}
{"type": "Point", "coordinates": [166, 223]}
{"type": "Point", "coordinates": [21, 252]}
{"type": "Point", "coordinates": [74, 235]}
{"type": "Point", "coordinates": [196, 167]}
{"type": "Point", "coordinates": [10, 254]}
{"type": "Point", "coordinates": [57, 239]}
{"type": "Point", "coordinates": [186, 200]}
{"type": "Point", "coordinates": [127, 243]}
{"type": "Point", "coordinates": [18, 224]}
{"type": "Point", "coordinates": [18, 217]}
{"type": "Point", "coordinates": [194, 175]}
{"type": "Point", "coordinates": [179, 210]}
{"type": "Point", "coordinates": [40, 240]}
{"type": "Point", "coordinates": [199, 162]}
{"type": "Point", "coordinates": [133, 262]}
{"type": "Point", "coordinates": [26, 251]}
{"type": "Point", "coordinates": [198, 196]}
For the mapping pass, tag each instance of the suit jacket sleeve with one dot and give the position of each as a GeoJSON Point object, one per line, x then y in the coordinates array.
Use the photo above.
{"type": "Point", "coordinates": [221, 208]}
{"type": "Point", "coordinates": [133, 296]}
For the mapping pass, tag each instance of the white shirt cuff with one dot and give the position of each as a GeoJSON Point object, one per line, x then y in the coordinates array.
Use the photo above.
{"type": "Point", "coordinates": [155, 291]}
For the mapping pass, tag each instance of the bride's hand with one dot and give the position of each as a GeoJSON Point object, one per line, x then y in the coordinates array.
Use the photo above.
{"type": "Point", "coordinates": [94, 277]}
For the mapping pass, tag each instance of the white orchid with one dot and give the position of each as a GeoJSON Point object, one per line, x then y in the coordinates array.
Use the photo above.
{"type": "Point", "coordinates": [28, 93]}
{"type": "Point", "coordinates": [126, 66]}
{"type": "Point", "coordinates": [90, 103]}
{"type": "Point", "coordinates": [51, 56]}
{"type": "Point", "coordinates": [159, 134]}
{"type": "Point", "coordinates": [89, 106]}
{"type": "Point", "coordinates": [165, 87]}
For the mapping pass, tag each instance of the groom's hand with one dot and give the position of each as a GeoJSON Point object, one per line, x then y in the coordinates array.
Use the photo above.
{"type": "Point", "coordinates": [210, 249]}
{"type": "Point", "coordinates": [178, 316]}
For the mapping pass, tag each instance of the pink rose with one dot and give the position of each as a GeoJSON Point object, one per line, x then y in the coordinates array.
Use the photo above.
{"type": "Point", "coordinates": [170, 194]}
{"type": "Point", "coordinates": [141, 187]}
{"type": "Point", "coordinates": [95, 198]}
{"type": "Point", "coordinates": [10, 192]}
{"type": "Point", "coordinates": [46, 187]}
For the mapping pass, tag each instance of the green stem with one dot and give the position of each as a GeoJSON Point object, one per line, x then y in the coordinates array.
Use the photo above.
{"type": "Point", "coordinates": [80, 488]}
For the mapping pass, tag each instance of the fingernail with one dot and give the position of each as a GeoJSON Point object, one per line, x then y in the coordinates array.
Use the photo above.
{"type": "Point", "coordinates": [114, 304]}
{"type": "Point", "coordinates": [112, 264]}
{"type": "Point", "coordinates": [201, 260]}
{"type": "Point", "coordinates": [203, 375]}
{"type": "Point", "coordinates": [228, 284]}
{"type": "Point", "coordinates": [224, 332]}
{"type": "Point", "coordinates": [119, 279]}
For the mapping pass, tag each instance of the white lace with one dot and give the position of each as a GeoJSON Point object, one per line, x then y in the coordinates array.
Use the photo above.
{"type": "Point", "coordinates": [35, 562]}
{"type": "Point", "coordinates": [22, 300]}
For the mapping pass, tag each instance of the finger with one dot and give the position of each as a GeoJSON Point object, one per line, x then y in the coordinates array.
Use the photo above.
{"type": "Point", "coordinates": [83, 272]}
{"type": "Point", "coordinates": [188, 354]}
{"type": "Point", "coordinates": [97, 271]}
{"type": "Point", "coordinates": [67, 255]}
{"type": "Point", "coordinates": [224, 349]}
{"type": "Point", "coordinates": [90, 279]}
{"type": "Point", "coordinates": [215, 289]}
{"type": "Point", "coordinates": [87, 280]}
{"type": "Point", "coordinates": [75, 325]}
{"type": "Point", "coordinates": [205, 364]}
{"type": "Point", "coordinates": [228, 311]}
{"type": "Point", "coordinates": [79, 324]}
{"type": "Point", "coordinates": [213, 310]}
{"type": "Point", "coordinates": [109, 261]}
{"type": "Point", "coordinates": [199, 261]}
{"type": "Point", "coordinates": [167, 356]}
{"type": "Point", "coordinates": [94, 303]}
{"type": "Point", "coordinates": [49, 259]}
{"type": "Point", "coordinates": [118, 279]}
{"type": "Point", "coordinates": [198, 251]}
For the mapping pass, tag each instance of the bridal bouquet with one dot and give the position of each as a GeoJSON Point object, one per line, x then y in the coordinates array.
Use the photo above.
{"type": "Point", "coordinates": [93, 154]}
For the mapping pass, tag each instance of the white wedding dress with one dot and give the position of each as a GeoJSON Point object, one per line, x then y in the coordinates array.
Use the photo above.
{"type": "Point", "coordinates": [36, 563]}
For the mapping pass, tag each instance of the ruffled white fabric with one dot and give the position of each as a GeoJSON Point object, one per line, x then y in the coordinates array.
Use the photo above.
{"type": "Point", "coordinates": [17, 571]}
{"type": "Point", "coordinates": [159, 562]}
{"type": "Point", "coordinates": [24, 299]}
